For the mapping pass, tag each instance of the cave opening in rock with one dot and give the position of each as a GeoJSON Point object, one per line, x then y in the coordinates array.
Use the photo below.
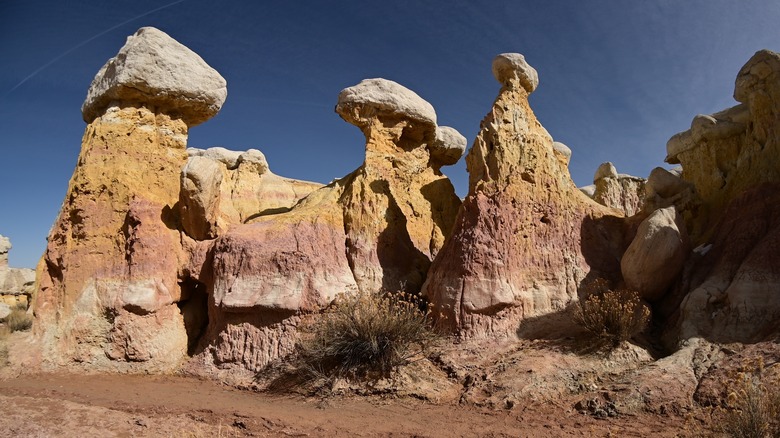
{"type": "Point", "coordinates": [194, 310]}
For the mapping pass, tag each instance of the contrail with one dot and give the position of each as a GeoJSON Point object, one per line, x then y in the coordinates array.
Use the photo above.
{"type": "Point", "coordinates": [65, 53]}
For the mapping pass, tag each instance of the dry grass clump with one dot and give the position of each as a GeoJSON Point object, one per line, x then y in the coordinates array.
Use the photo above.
{"type": "Point", "coordinates": [18, 319]}
{"type": "Point", "coordinates": [4, 331]}
{"type": "Point", "coordinates": [612, 315]}
{"type": "Point", "coordinates": [366, 335]}
{"type": "Point", "coordinates": [753, 404]}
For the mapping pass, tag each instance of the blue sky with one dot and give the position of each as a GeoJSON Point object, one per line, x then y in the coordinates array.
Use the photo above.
{"type": "Point", "coordinates": [617, 78]}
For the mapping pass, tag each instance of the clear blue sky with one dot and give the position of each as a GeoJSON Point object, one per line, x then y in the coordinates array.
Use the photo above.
{"type": "Point", "coordinates": [617, 78]}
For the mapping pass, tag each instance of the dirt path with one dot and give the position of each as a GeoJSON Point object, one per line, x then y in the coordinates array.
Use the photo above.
{"type": "Point", "coordinates": [123, 406]}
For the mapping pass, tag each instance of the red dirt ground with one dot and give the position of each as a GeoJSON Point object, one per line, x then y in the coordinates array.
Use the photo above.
{"type": "Point", "coordinates": [65, 405]}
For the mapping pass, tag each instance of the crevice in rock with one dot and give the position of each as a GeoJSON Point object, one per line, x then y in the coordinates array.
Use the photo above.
{"type": "Point", "coordinates": [194, 309]}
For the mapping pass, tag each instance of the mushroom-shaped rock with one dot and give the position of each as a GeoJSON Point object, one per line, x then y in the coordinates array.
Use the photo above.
{"type": "Point", "coordinates": [383, 98]}
{"type": "Point", "coordinates": [510, 67]}
{"type": "Point", "coordinates": [448, 146]}
{"type": "Point", "coordinates": [155, 70]}
{"type": "Point", "coordinates": [761, 68]}
{"type": "Point", "coordinates": [605, 170]}
{"type": "Point", "coordinates": [563, 151]}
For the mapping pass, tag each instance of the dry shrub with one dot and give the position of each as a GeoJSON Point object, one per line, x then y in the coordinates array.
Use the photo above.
{"type": "Point", "coordinates": [18, 319]}
{"type": "Point", "coordinates": [753, 405]}
{"type": "Point", "coordinates": [4, 331]}
{"type": "Point", "coordinates": [612, 315]}
{"type": "Point", "coordinates": [366, 335]}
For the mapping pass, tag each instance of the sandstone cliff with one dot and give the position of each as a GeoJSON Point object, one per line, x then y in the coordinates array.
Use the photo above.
{"type": "Point", "coordinates": [525, 237]}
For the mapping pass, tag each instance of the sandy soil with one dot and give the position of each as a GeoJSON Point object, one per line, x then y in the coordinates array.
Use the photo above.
{"type": "Point", "coordinates": [64, 405]}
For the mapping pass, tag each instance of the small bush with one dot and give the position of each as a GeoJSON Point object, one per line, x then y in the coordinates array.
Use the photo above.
{"type": "Point", "coordinates": [366, 334]}
{"type": "Point", "coordinates": [754, 406]}
{"type": "Point", "coordinates": [613, 315]}
{"type": "Point", "coordinates": [18, 320]}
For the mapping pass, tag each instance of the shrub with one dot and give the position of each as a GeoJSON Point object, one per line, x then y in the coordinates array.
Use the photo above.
{"type": "Point", "coordinates": [366, 334]}
{"type": "Point", "coordinates": [754, 406]}
{"type": "Point", "coordinates": [612, 315]}
{"type": "Point", "coordinates": [18, 320]}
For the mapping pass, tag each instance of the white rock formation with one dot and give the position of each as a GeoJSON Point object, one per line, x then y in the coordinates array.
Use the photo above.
{"type": "Point", "coordinates": [154, 69]}
{"type": "Point", "coordinates": [507, 66]}
{"type": "Point", "coordinates": [448, 147]}
{"type": "Point", "coordinates": [357, 104]}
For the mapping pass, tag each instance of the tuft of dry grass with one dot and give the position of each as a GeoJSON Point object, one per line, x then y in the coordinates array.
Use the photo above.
{"type": "Point", "coordinates": [612, 315]}
{"type": "Point", "coordinates": [753, 404]}
{"type": "Point", "coordinates": [19, 319]}
{"type": "Point", "coordinates": [366, 335]}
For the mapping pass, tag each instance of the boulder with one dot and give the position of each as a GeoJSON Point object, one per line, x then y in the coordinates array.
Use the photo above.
{"type": "Point", "coordinates": [448, 146]}
{"type": "Point", "coordinates": [525, 235]}
{"type": "Point", "coordinates": [158, 72]}
{"type": "Point", "coordinates": [511, 68]}
{"type": "Point", "coordinates": [657, 254]}
{"type": "Point", "coordinates": [379, 97]}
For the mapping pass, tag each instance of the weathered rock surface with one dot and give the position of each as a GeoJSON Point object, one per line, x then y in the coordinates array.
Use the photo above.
{"type": "Point", "coordinates": [157, 71]}
{"type": "Point", "coordinates": [734, 284]}
{"type": "Point", "coordinates": [524, 238]}
{"type": "Point", "coordinates": [220, 188]}
{"type": "Point", "coordinates": [13, 281]}
{"type": "Point", "coordinates": [731, 161]}
{"type": "Point", "coordinates": [621, 191]}
{"type": "Point", "coordinates": [656, 256]}
{"type": "Point", "coordinates": [377, 228]}
{"type": "Point", "coordinates": [728, 152]}
{"type": "Point", "coordinates": [109, 280]}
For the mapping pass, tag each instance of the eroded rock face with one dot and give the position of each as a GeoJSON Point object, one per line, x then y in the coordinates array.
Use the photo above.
{"type": "Point", "coordinates": [154, 69]}
{"type": "Point", "coordinates": [728, 152]}
{"type": "Point", "coordinates": [220, 188]}
{"type": "Point", "coordinates": [656, 256]}
{"type": "Point", "coordinates": [618, 190]}
{"type": "Point", "coordinates": [734, 280]}
{"type": "Point", "coordinates": [108, 282]}
{"type": "Point", "coordinates": [519, 243]}
{"type": "Point", "coordinates": [377, 228]}
{"type": "Point", "coordinates": [731, 162]}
